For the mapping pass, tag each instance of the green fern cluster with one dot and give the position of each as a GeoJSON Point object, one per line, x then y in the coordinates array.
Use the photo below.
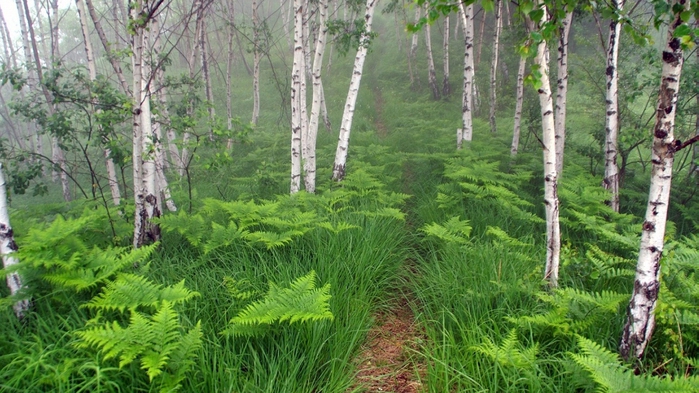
{"type": "Point", "coordinates": [273, 224]}
{"type": "Point", "coordinates": [573, 311]}
{"type": "Point", "coordinates": [611, 376]}
{"type": "Point", "coordinates": [302, 301]}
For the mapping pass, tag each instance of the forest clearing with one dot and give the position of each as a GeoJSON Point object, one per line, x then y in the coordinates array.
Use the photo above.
{"type": "Point", "coordinates": [314, 196]}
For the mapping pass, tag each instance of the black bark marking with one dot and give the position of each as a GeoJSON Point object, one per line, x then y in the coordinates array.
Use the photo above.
{"type": "Point", "coordinates": [670, 57]}
{"type": "Point", "coordinates": [648, 226]}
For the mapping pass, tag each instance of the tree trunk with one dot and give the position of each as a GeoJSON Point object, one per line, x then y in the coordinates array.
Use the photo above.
{"type": "Point", "coordinates": [553, 234]}
{"type": "Point", "coordinates": [481, 33]}
{"type": "Point", "coordinates": [494, 65]}
{"type": "Point", "coordinates": [92, 70]}
{"type": "Point", "coordinates": [562, 92]}
{"type": "Point", "coordinates": [257, 56]}
{"type": "Point", "coordinates": [229, 68]}
{"type": "Point", "coordinates": [641, 318]}
{"type": "Point", "coordinates": [446, 89]}
{"type": "Point", "coordinates": [204, 53]}
{"type": "Point", "coordinates": [7, 247]}
{"type": "Point", "coordinates": [412, 55]}
{"type": "Point", "coordinates": [431, 72]}
{"type": "Point", "coordinates": [297, 73]}
{"type": "Point", "coordinates": [10, 57]}
{"type": "Point", "coordinates": [184, 156]}
{"type": "Point", "coordinates": [145, 193]}
{"type": "Point", "coordinates": [347, 115]}
{"type": "Point", "coordinates": [611, 129]}
{"type": "Point", "coordinates": [465, 133]}
{"type": "Point", "coordinates": [113, 60]}
{"type": "Point", "coordinates": [310, 151]}
{"type": "Point", "coordinates": [58, 156]}
{"type": "Point", "coordinates": [518, 106]}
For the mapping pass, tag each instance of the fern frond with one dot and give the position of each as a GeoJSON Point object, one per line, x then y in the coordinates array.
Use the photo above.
{"type": "Point", "coordinates": [130, 291]}
{"type": "Point", "coordinates": [191, 227]}
{"type": "Point", "coordinates": [301, 302]}
{"type": "Point", "coordinates": [453, 231]}
{"type": "Point", "coordinates": [339, 227]}
{"type": "Point", "coordinates": [505, 238]}
{"type": "Point", "coordinates": [221, 236]}
{"type": "Point", "coordinates": [272, 239]}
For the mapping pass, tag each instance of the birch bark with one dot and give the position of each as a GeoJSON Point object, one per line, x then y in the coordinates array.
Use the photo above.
{"type": "Point", "coordinates": [347, 115]}
{"type": "Point", "coordinates": [494, 65]}
{"type": "Point", "coordinates": [518, 106]}
{"type": "Point", "coordinates": [611, 129]}
{"type": "Point", "coordinates": [640, 320]}
{"type": "Point", "coordinates": [297, 73]}
{"type": "Point", "coordinates": [431, 72]}
{"type": "Point", "coordinates": [92, 71]}
{"type": "Point", "coordinates": [553, 234]}
{"type": "Point", "coordinates": [446, 89]}
{"type": "Point", "coordinates": [107, 48]}
{"type": "Point", "coordinates": [145, 230]}
{"type": "Point", "coordinates": [256, 64]}
{"type": "Point", "coordinates": [7, 247]}
{"type": "Point", "coordinates": [316, 107]}
{"type": "Point", "coordinates": [465, 133]}
{"type": "Point", "coordinates": [562, 91]}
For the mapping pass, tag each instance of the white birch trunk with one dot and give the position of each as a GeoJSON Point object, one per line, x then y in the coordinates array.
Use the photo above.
{"type": "Point", "coordinates": [297, 73]}
{"type": "Point", "coordinates": [518, 106]}
{"type": "Point", "coordinates": [208, 89]}
{"type": "Point", "coordinates": [431, 72]}
{"type": "Point", "coordinates": [256, 64]}
{"type": "Point", "coordinates": [310, 151]}
{"type": "Point", "coordinates": [446, 89]}
{"type": "Point", "coordinates": [162, 100]}
{"type": "Point", "coordinates": [494, 65]}
{"type": "Point", "coordinates": [184, 156]}
{"type": "Point", "coordinates": [641, 318]}
{"type": "Point", "coordinates": [7, 247]}
{"type": "Point", "coordinates": [465, 133]}
{"type": "Point", "coordinates": [412, 54]}
{"type": "Point", "coordinates": [611, 129]}
{"type": "Point", "coordinates": [562, 91]}
{"type": "Point", "coordinates": [145, 231]}
{"type": "Point", "coordinates": [229, 68]}
{"type": "Point", "coordinates": [107, 48]}
{"type": "Point", "coordinates": [553, 234]}
{"type": "Point", "coordinates": [92, 70]}
{"type": "Point", "coordinates": [347, 115]}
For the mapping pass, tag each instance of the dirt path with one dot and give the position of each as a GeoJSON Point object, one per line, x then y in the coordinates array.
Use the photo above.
{"type": "Point", "coordinates": [385, 362]}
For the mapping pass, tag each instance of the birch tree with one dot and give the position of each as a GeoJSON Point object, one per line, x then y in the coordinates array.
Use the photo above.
{"type": "Point", "coordinates": [518, 106]}
{"type": "Point", "coordinates": [446, 89]}
{"type": "Point", "coordinates": [494, 65]}
{"type": "Point", "coordinates": [431, 72]}
{"type": "Point", "coordinates": [145, 194]}
{"type": "Point", "coordinates": [640, 320]}
{"type": "Point", "coordinates": [465, 133]}
{"type": "Point", "coordinates": [257, 56]}
{"type": "Point", "coordinates": [611, 129]}
{"type": "Point", "coordinates": [553, 232]}
{"type": "Point", "coordinates": [92, 71]}
{"type": "Point", "coordinates": [7, 248]}
{"type": "Point", "coordinates": [310, 151]}
{"type": "Point", "coordinates": [562, 91]}
{"type": "Point", "coordinates": [297, 73]}
{"type": "Point", "coordinates": [348, 113]}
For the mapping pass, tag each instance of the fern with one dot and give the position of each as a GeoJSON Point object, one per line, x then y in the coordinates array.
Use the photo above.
{"type": "Point", "coordinates": [507, 353]}
{"type": "Point", "coordinates": [130, 291]}
{"type": "Point", "coordinates": [453, 231]}
{"type": "Point", "coordinates": [155, 340]}
{"type": "Point", "coordinates": [301, 302]}
{"type": "Point", "coordinates": [612, 377]}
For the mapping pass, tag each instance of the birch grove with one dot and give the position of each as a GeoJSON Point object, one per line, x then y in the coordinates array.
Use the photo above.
{"type": "Point", "coordinates": [640, 320]}
{"type": "Point", "coordinates": [494, 65]}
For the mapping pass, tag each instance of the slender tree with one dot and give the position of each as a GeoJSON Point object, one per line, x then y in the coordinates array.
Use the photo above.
{"type": "Point", "coordinates": [465, 133]}
{"type": "Point", "coordinates": [257, 56]}
{"type": "Point", "coordinates": [562, 91]}
{"type": "Point", "coordinates": [611, 129]}
{"type": "Point", "coordinates": [494, 65]}
{"type": "Point", "coordinates": [518, 106]}
{"type": "Point", "coordinates": [347, 115]}
{"type": "Point", "coordinates": [7, 248]}
{"type": "Point", "coordinates": [297, 73]}
{"type": "Point", "coordinates": [431, 72]}
{"type": "Point", "coordinates": [640, 320]}
{"type": "Point", "coordinates": [446, 88]}
{"type": "Point", "coordinates": [310, 151]}
{"type": "Point", "coordinates": [553, 232]}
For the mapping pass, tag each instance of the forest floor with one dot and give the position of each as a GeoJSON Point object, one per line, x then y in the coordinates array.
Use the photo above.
{"type": "Point", "coordinates": [385, 362]}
